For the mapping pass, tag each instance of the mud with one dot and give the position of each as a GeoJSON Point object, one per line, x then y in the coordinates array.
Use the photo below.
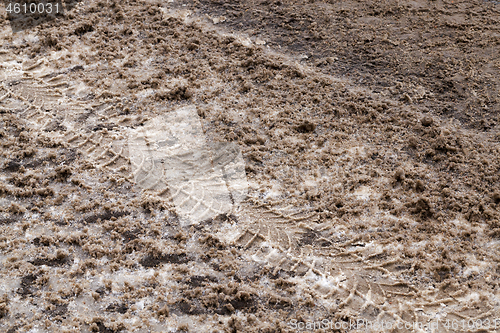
{"type": "Point", "coordinates": [369, 135]}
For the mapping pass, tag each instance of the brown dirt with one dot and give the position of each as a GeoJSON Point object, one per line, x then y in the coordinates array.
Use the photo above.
{"type": "Point", "coordinates": [370, 134]}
